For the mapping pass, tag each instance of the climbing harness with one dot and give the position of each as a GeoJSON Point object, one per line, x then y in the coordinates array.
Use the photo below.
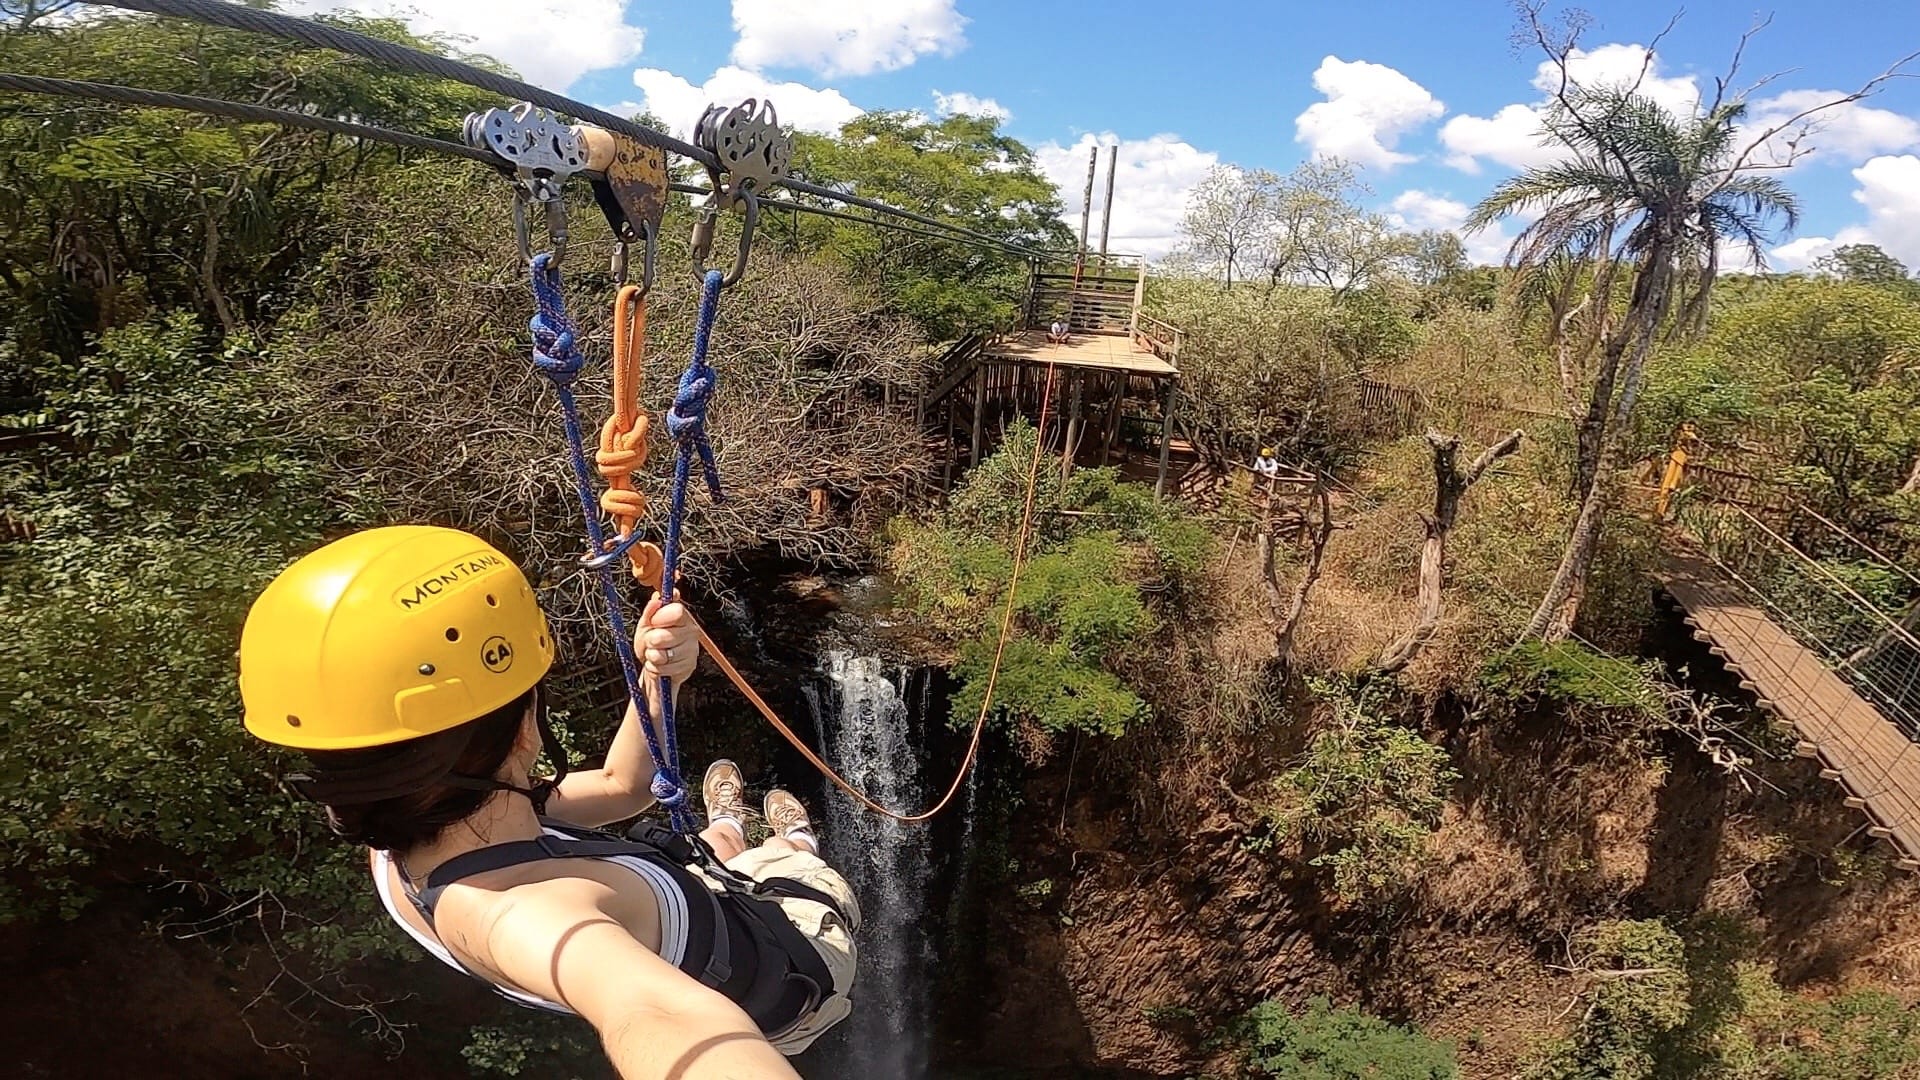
{"type": "Point", "coordinates": [738, 941]}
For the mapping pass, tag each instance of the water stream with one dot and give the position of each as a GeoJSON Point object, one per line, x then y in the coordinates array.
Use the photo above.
{"type": "Point", "coordinates": [872, 714]}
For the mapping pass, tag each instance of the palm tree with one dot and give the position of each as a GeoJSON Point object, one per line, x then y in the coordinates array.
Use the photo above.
{"type": "Point", "coordinates": [1652, 193]}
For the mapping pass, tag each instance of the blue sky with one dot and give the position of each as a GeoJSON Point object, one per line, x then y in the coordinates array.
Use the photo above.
{"type": "Point", "coordinates": [1434, 101]}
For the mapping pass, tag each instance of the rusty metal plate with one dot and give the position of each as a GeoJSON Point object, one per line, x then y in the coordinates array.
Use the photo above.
{"type": "Point", "coordinates": [638, 179]}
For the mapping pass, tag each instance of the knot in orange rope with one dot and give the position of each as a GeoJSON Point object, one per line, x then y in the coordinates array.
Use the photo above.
{"type": "Point", "coordinates": [623, 439]}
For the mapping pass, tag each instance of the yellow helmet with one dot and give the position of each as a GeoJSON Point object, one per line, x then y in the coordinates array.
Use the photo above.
{"type": "Point", "coordinates": [388, 635]}
{"type": "Point", "coordinates": [1266, 451]}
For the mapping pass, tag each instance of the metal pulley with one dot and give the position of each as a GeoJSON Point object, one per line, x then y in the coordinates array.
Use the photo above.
{"type": "Point", "coordinates": [540, 152]}
{"type": "Point", "coordinates": [751, 155]}
{"type": "Point", "coordinates": [752, 152]}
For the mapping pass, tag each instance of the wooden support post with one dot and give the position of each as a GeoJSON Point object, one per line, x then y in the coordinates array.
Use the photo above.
{"type": "Point", "coordinates": [1166, 437]}
{"type": "Point", "coordinates": [1086, 217]}
{"type": "Point", "coordinates": [953, 450]}
{"type": "Point", "coordinates": [979, 413]}
{"type": "Point", "coordinates": [1106, 210]}
{"type": "Point", "coordinates": [1071, 442]}
{"type": "Point", "coordinates": [1112, 419]}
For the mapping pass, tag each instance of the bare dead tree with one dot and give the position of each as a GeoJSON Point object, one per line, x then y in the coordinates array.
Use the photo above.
{"type": "Point", "coordinates": [1285, 616]}
{"type": "Point", "coordinates": [1450, 483]}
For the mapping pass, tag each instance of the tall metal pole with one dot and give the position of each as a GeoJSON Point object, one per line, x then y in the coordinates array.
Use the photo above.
{"type": "Point", "coordinates": [1106, 212]}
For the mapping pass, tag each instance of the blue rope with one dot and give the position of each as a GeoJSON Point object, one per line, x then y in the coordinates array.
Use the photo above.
{"type": "Point", "coordinates": [687, 424]}
{"type": "Point", "coordinates": [556, 356]}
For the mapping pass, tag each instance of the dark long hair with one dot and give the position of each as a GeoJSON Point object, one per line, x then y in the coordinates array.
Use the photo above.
{"type": "Point", "coordinates": [477, 749]}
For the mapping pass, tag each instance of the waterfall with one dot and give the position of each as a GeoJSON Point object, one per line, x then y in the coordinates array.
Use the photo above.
{"type": "Point", "coordinates": [871, 716]}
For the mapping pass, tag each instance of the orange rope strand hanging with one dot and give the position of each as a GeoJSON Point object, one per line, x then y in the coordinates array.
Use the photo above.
{"type": "Point", "coordinates": [623, 438]}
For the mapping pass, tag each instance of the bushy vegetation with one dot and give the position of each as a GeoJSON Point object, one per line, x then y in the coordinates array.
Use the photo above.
{"type": "Point", "coordinates": [1328, 1043]}
{"type": "Point", "coordinates": [1665, 1004]}
{"type": "Point", "coordinates": [1365, 797]}
{"type": "Point", "coordinates": [1106, 564]}
{"type": "Point", "coordinates": [1572, 674]}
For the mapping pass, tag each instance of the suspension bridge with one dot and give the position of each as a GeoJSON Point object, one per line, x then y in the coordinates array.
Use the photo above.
{"type": "Point", "coordinates": [1780, 593]}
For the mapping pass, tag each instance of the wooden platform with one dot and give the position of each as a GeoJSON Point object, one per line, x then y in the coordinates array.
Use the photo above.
{"type": "Point", "coordinates": [1856, 745]}
{"type": "Point", "coordinates": [1107, 352]}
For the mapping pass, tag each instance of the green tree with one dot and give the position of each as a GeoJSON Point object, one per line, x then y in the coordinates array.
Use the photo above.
{"type": "Point", "coordinates": [1864, 264]}
{"type": "Point", "coordinates": [1649, 193]}
{"type": "Point", "coordinates": [109, 211]}
{"type": "Point", "coordinates": [1366, 796]}
{"type": "Point", "coordinates": [1228, 225]}
{"type": "Point", "coordinates": [961, 169]}
{"type": "Point", "coordinates": [1325, 1043]}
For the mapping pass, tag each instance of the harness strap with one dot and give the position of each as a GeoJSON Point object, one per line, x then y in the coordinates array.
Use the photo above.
{"type": "Point", "coordinates": [739, 941]}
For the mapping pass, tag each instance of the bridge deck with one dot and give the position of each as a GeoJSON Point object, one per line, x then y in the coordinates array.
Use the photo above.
{"type": "Point", "coordinates": [1112, 352]}
{"type": "Point", "coordinates": [1878, 765]}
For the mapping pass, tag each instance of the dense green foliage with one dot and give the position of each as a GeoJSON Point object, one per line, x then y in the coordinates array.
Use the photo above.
{"type": "Point", "coordinates": [1366, 796]}
{"type": "Point", "coordinates": [1107, 564]}
{"type": "Point", "coordinates": [1821, 377]}
{"type": "Point", "coordinates": [1667, 1004]}
{"type": "Point", "coordinates": [962, 169]}
{"type": "Point", "coordinates": [1325, 1043]}
{"type": "Point", "coordinates": [1573, 674]}
{"type": "Point", "coordinates": [117, 626]}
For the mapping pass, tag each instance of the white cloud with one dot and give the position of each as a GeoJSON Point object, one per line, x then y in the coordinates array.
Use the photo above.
{"type": "Point", "coordinates": [1368, 107]}
{"type": "Point", "coordinates": [846, 37]}
{"type": "Point", "coordinates": [1514, 135]}
{"type": "Point", "coordinates": [1417, 210]}
{"type": "Point", "coordinates": [1150, 189]}
{"type": "Point", "coordinates": [679, 103]}
{"type": "Point", "coordinates": [1619, 65]}
{"type": "Point", "coordinates": [1850, 132]}
{"type": "Point", "coordinates": [1890, 190]}
{"type": "Point", "coordinates": [550, 43]}
{"type": "Point", "coordinates": [1793, 255]}
{"type": "Point", "coordinates": [962, 103]}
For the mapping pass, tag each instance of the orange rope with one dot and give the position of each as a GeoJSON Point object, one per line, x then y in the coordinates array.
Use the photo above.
{"type": "Point", "coordinates": [993, 672]}
{"type": "Point", "coordinates": [623, 439]}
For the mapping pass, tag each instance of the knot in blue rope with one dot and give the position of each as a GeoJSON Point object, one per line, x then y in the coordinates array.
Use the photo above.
{"type": "Point", "coordinates": [669, 790]}
{"type": "Point", "coordinates": [553, 329]}
{"type": "Point", "coordinates": [687, 419]}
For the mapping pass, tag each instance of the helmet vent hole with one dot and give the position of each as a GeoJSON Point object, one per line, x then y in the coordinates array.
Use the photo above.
{"type": "Point", "coordinates": [453, 633]}
{"type": "Point", "coordinates": [292, 720]}
{"type": "Point", "coordinates": [543, 641]}
{"type": "Point", "coordinates": [492, 601]}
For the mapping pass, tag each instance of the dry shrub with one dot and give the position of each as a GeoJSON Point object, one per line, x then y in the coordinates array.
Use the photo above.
{"type": "Point", "coordinates": [411, 362]}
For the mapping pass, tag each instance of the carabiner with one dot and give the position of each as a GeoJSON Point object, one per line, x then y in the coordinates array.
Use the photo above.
{"type": "Point", "coordinates": [703, 233]}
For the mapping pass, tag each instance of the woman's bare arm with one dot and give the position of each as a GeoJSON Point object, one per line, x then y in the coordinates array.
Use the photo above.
{"type": "Point", "coordinates": [619, 789]}
{"type": "Point", "coordinates": [556, 939]}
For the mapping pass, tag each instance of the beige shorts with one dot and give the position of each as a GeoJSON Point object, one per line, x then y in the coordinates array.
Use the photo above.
{"type": "Point", "coordinates": [831, 938]}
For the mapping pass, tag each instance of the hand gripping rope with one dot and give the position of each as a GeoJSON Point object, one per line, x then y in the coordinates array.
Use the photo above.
{"type": "Point", "coordinates": [557, 357]}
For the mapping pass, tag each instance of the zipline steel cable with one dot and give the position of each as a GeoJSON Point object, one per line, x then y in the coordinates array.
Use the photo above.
{"type": "Point", "coordinates": [320, 35]}
{"type": "Point", "coordinates": [141, 97]}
